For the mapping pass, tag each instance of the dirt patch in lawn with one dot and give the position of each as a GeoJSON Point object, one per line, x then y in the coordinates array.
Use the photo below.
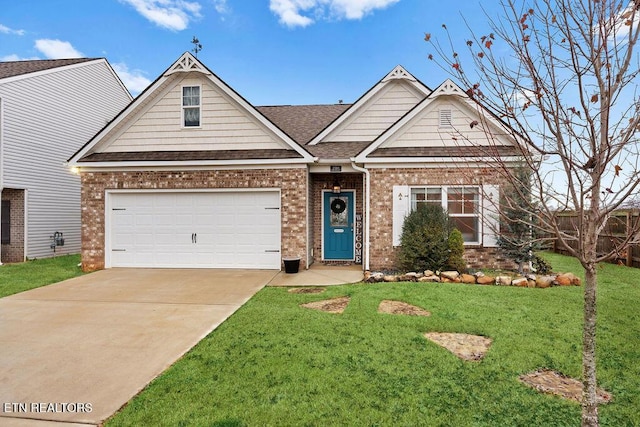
{"type": "Point", "coordinates": [307, 290]}
{"type": "Point", "coordinates": [465, 346]}
{"type": "Point", "coordinates": [548, 381]}
{"type": "Point", "coordinates": [334, 305]}
{"type": "Point", "coordinates": [399, 307]}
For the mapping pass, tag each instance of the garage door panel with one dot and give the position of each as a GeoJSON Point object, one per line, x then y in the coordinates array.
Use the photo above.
{"type": "Point", "coordinates": [207, 229]}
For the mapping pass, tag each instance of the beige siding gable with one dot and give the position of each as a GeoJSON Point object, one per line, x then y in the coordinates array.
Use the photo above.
{"type": "Point", "coordinates": [225, 125]}
{"type": "Point", "coordinates": [430, 127]}
{"type": "Point", "coordinates": [378, 114]}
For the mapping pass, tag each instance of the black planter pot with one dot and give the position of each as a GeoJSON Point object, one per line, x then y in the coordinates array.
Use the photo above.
{"type": "Point", "coordinates": [291, 265]}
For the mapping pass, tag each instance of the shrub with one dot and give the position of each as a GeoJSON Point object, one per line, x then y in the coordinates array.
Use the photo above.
{"type": "Point", "coordinates": [540, 265]}
{"type": "Point", "coordinates": [424, 239]}
{"type": "Point", "coordinates": [456, 251]}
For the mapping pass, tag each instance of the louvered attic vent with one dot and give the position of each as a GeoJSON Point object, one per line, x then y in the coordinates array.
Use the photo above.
{"type": "Point", "coordinates": [445, 118]}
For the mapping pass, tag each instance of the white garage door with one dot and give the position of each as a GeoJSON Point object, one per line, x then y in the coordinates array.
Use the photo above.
{"type": "Point", "coordinates": [199, 230]}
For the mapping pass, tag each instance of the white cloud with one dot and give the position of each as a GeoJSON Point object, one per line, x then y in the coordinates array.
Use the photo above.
{"type": "Point", "coordinates": [173, 15]}
{"type": "Point", "coordinates": [134, 80]}
{"type": "Point", "coordinates": [57, 49]}
{"type": "Point", "coordinates": [356, 9]}
{"type": "Point", "coordinates": [295, 13]}
{"type": "Point", "coordinates": [221, 6]}
{"type": "Point", "coordinates": [6, 30]}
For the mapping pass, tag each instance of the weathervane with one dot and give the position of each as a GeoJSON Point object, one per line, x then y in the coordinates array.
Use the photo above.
{"type": "Point", "coordinates": [197, 47]}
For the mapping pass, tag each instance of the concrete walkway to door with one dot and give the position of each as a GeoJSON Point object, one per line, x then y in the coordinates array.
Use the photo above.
{"type": "Point", "coordinates": [76, 351]}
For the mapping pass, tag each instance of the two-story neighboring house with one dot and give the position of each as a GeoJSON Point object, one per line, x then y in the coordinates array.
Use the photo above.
{"type": "Point", "coordinates": [48, 109]}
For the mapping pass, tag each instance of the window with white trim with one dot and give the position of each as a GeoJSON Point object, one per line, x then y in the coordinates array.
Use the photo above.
{"type": "Point", "coordinates": [191, 106]}
{"type": "Point", "coordinates": [461, 203]}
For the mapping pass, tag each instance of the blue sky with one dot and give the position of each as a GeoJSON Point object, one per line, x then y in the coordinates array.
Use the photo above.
{"type": "Point", "coordinates": [272, 52]}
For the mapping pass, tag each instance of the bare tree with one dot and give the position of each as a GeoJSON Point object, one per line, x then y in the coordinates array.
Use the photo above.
{"type": "Point", "coordinates": [563, 74]}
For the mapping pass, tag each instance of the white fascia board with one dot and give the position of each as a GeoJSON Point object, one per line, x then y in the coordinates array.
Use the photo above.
{"type": "Point", "coordinates": [182, 167]}
{"type": "Point", "coordinates": [436, 162]}
{"type": "Point", "coordinates": [237, 164]}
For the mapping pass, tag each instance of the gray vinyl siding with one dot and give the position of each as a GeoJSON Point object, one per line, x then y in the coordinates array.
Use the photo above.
{"type": "Point", "coordinates": [47, 118]}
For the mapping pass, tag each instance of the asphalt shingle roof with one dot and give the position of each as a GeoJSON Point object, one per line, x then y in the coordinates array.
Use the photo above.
{"type": "Point", "coordinates": [303, 122]}
{"type": "Point", "coordinates": [191, 155]}
{"type": "Point", "coordinates": [17, 68]}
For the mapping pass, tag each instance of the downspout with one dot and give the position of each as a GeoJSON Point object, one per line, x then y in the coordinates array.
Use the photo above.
{"type": "Point", "coordinates": [367, 197]}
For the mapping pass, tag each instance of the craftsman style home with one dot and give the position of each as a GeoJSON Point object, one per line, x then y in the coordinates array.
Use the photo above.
{"type": "Point", "coordinates": [48, 110]}
{"type": "Point", "coordinates": [190, 174]}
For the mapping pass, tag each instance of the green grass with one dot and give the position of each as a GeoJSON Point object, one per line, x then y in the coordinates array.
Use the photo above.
{"type": "Point", "coordinates": [276, 364]}
{"type": "Point", "coordinates": [23, 276]}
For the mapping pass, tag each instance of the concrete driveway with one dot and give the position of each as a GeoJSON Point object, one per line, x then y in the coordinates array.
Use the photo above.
{"type": "Point", "coordinates": [78, 350]}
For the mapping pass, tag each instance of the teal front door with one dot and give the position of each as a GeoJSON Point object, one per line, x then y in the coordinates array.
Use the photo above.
{"type": "Point", "coordinates": [338, 224]}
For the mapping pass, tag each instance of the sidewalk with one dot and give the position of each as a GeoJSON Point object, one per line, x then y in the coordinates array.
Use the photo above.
{"type": "Point", "coordinates": [320, 275]}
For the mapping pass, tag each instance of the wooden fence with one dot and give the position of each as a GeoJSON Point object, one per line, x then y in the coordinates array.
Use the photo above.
{"type": "Point", "coordinates": [611, 238]}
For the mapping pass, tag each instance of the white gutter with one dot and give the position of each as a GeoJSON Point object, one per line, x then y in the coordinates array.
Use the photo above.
{"type": "Point", "coordinates": [367, 217]}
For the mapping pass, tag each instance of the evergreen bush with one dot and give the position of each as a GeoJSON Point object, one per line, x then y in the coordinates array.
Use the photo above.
{"type": "Point", "coordinates": [425, 239]}
{"type": "Point", "coordinates": [456, 252]}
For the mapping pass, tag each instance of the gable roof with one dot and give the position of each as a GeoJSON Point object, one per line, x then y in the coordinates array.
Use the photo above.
{"type": "Point", "coordinates": [377, 152]}
{"type": "Point", "coordinates": [187, 63]}
{"type": "Point", "coordinates": [18, 68]}
{"type": "Point", "coordinates": [397, 75]}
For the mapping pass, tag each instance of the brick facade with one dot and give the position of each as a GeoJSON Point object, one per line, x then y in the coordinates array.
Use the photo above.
{"type": "Point", "coordinates": [382, 252]}
{"type": "Point", "coordinates": [320, 182]}
{"type": "Point", "coordinates": [291, 182]}
{"type": "Point", "coordinates": [14, 251]}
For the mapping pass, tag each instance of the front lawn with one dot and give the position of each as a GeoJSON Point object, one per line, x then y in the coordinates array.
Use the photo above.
{"type": "Point", "coordinates": [23, 276]}
{"type": "Point", "coordinates": [275, 363]}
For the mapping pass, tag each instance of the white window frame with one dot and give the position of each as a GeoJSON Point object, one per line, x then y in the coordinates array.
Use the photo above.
{"type": "Point", "coordinates": [185, 107]}
{"type": "Point", "coordinates": [444, 202]}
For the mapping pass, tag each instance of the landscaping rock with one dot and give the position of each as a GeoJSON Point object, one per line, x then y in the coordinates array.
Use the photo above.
{"type": "Point", "coordinates": [390, 278]}
{"type": "Point", "coordinates": [503, 280]}
{"type": "Point", "coordinates": [520, 281]}
{"type": "Point", "coordinates": [544, 281]}
{"type": "Point", "coordinates": [429, 273]}
{"type": "Point", "coordinates": [568, 279]}
{"type": "Point", "coordinates": [431, 278]}
{"type": "Point", "coordinates": [485, 280]}
{"type": "Point", "coordinates": [408, 277]}
{"type": "Point", "coordinates": [467, 278]}
{"type": "Point", "coordinates": [375, 278]}
{"type": "Point", "coordinates": [450, 275]}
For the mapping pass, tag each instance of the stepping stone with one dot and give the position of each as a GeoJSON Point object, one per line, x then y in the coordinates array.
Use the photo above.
{"type": "Point", "coordinates": [548, 381]}
{"type": "Point", "coordinates": [334, 305]}
{"type": "Point", "coordinates": [465, 346]}
{"type": "Point", "coordinates": [399, 307]}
